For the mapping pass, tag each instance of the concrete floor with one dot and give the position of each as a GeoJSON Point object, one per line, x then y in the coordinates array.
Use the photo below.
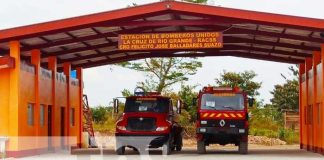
{"type": "Point", "coordinates": [227, 153]}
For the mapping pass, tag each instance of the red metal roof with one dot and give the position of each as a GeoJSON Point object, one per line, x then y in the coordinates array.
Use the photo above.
{"type": "Point", "coordinates": [91, 40]}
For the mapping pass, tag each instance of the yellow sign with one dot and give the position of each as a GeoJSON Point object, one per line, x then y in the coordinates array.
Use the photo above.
{"type": "Point", "coordinates": [160, 41]}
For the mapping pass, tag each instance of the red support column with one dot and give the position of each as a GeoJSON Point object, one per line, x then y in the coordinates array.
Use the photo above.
{"type": "Point", "coordinates": [13, 112]}
{"type": "Point", "coordinates": [322, 109]}
{"type": "Point", "coordinates": [80, 78]}
{"type": "Point", "coordinates": [315, 136]}
{"type": "Point", "coordinates": [301, 107]}
{"type": "Point", "coordinates": [52, 65]}
{"type": "Point", "coordinates": [67, 72]}
{"type": "Point", "coordinates": [36, 60]}
{"type": "Point", "coordinates": [308, 67]}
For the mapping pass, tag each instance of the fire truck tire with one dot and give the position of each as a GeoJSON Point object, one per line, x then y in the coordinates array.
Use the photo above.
{"type": "Point", "coordinates": [166, 148]}
{"type": "Point", "coordinates": [201, 147]}
{"type": "Point", "coordinates": [120, 150]}
{"type": "Point", "coordinates": [243, 148]}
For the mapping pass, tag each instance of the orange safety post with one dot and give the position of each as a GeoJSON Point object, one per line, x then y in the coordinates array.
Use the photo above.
{"type": "Point", "coordinates": [52, 65]}
{"type": "Point", "coordinates": [80, 120]}
{"type": "Point", "coordinates": [67, 72]}
{"type": "Point", "coordinates": [316, 61]}
{"type": "Point", "coordinates": [301, 105]}
{"type": "Point", "coordinates": [308, 70]}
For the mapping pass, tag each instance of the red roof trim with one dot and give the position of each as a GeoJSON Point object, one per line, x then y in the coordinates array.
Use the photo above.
{"type": "Point", "coordinates": [88, 20]}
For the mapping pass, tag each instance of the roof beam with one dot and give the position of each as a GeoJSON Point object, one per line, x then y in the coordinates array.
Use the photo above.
{"type": "Point", "coordinates": [81, 22]}
{"type": "Point", "coordinates": [226, 40]}
{"type": "Point", "coordinates": [273, 34]}
{"type": "Point", "coordinates": [245, 16]}
{"type": "Point", "coordinates": [170, 54]}
{"type": "Point", "coordinates": [80, 49]}
{"type": "Point", "coordinates": [169, 23]}
{"type": "Point", "coordinates": [85, 38]}
{"type": "Point", "coordinates": [225, 48]}
{"type": "Point", "coordinates": [231, 39]}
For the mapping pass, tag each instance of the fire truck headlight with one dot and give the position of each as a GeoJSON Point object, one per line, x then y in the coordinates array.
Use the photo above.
{"type": "Point", "coordinates": [241, 130]}
{"type": "Point", "coordinates": [202, 130]}
{"type": "Point", "coordinates": [203, 122]}
{"type": "Point", "coordinates": [122, 128]}
{"type": "Point", "coordinates": [159, 129]}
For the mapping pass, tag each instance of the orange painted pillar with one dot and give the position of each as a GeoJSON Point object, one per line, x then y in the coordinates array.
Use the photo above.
{"type": "Point", "coordinates": [67, 72]}
{"type": "Point", "coordinates": [308, 67]}
{"type": "Point", "coordinates": [322, 107]}
{"type": "Point", "coordinates": [36, 60]}
{"type": "Point", "coordinates": [301, 106]}
{"type": "Point", "coordinates": [13, 114]}
{"type": "Point", "coordinates": [316, 61]}
{"type": "Point", "coordinates": [80, 78]}
{"type": "Point", "coordinates": [52, 65]}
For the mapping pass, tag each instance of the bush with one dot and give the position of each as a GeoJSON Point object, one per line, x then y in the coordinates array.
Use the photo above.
{"type": "Point", "coordinates": [290, 136]}
{"type": "Point", "coordinates": [99, 114]}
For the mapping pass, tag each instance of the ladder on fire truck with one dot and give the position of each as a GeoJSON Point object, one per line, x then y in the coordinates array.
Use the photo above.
{"type": "Point", "coordinates": [87, 122]}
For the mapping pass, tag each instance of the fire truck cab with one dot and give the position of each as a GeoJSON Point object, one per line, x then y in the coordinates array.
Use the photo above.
{"type": "Point", "coordinates": [222, 118]}
{"type": "Point", "coordinates": [148, 121]}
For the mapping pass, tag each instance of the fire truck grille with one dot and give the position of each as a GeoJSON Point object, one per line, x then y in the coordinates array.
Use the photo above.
{"type": "Point", "coordinates": [228, 123]}
{"type": "Point", "coordinates": [141, 124]}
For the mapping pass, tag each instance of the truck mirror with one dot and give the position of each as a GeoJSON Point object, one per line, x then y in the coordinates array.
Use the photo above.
{"type": "Point", "coordinates": [194, 102]}
{"type": "Point", "coordinates": [116, 105]}
{"type": "Point", "coordinates": [179, 105]}
{"type": "Point", "coordinates": [251, 102]}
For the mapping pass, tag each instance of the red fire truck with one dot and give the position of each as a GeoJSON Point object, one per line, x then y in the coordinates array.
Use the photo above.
{"type": "Point", "coordinates": [148, 121]}
{"type": "Point", "coordinates": [222, 118]}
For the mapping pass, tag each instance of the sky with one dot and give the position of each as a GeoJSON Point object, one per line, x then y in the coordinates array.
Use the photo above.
{"type": "Point", "coordinates": [104, 83]}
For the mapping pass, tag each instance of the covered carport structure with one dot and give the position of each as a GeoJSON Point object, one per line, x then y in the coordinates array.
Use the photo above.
{"type": "Point", "coordinates": [53, 49]}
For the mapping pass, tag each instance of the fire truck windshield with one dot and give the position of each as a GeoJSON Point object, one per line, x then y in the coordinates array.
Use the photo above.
{"type": "Point", "coordinates": [222, 101]}
{"type": "Point", "coordinates": [159, 105]}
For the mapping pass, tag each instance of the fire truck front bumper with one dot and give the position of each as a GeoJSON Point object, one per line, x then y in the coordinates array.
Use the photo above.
{"type": "Point", "coordinates": [141, 141]}
{"type": "Point", "coordinates": [216, 130]}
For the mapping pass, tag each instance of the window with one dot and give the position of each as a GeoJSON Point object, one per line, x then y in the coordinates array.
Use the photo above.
{"type": "Point", "coordinates": [222, 102]}
{"type": "Point", "coordinates": [30, 112]}
{"type": "Point", "coordinates": [72, 117]}
{"type": "Point", "coordinates": [149, 105]}
{"type": "Point", "coordinates": [42, 115]}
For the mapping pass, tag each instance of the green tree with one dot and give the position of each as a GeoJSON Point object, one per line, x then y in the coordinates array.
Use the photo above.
{"type": "Point", "coordinates": [286, 96]}
{"type": "Point", "coordinates": [164, 72]}
{"type": "Point", "coordinates": [126, 93]}
{"type": "Point", "coordinates": [244, 80]}
{"type": "Point", "coordinates": [187, 94]}
{"type": "Point", "coordinates": [99, 114]}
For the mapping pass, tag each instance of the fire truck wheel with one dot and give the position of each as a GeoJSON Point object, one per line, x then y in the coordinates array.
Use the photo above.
{"type": "Point", "coordinates": [166, 148]}
{"type": "Point", "coordinates": [121, 150]}
{"type": "Point", "coordinates": [201, 147]}
{"type": "Point", "coordinates": [135, 149]}
{"type": "Point", "coordinates": [243, 147]}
